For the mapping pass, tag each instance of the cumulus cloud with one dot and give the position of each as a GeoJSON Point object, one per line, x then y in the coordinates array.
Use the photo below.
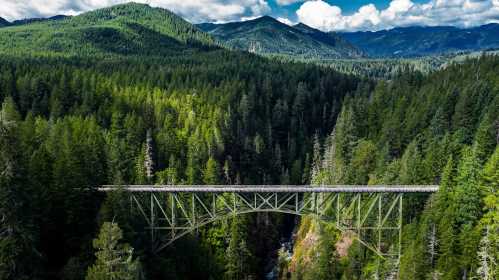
{"type": "Point", "coordinates": [193, 10]}
{"type": "Point", "coordinates": [463, 13]}
{"type": "Point", "coordinates": [286, 2]}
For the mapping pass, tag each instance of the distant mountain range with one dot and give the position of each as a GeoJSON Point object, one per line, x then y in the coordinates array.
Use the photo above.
{"type": "Point", "coordinates": [421, 41]}
{"type": "Point", "coordinates": [140, 29]}
{"type": "Point", "coordinates": [4, 22]}
{"type": "Point", "coordinates": [269, 36]}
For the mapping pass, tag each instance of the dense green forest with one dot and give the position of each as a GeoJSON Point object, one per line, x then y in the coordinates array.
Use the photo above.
{"type": "Point", "coordinates": [79, 97]}
{"type": "Point", "coordinates": [69, 125]}
{"type": "Point", "coordinates": [440, 129]}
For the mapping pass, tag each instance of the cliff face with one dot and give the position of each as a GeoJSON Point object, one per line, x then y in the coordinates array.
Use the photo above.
{"type": "Point", "coordinates": [318, 252]}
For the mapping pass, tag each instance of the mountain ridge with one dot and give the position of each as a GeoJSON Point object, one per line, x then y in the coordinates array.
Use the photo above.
{"type": "Point", "coordinates": [268, 36]}
{"type": "Point", "coordinates": [135, 28]}
{"type": "Point", "coordinates": [4, 22]}
{"type": "Point", "coordinates": [424, 40]}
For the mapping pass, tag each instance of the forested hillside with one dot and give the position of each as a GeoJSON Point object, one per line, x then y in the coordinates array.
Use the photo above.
{"type": "Point", "coordinates": [270, 37]}
{"type": "Point", "coordinates": [416, 41]}
{"type": "Point", "coordinates": [128, 29]}
{"type": "Point", "coordinates": [441, 129]}
{"type": "Point", "coordinates": [3, 22]}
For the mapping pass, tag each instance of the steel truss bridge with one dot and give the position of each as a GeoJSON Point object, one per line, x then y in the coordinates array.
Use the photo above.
{"type": "Point", "coordinates": [371, 214]}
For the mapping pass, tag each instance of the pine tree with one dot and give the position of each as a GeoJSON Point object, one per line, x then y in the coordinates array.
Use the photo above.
{"type": "Point", "coordinates": [432, 244]}
{"type": "Point", "coordinates": [490, 221]}
{"type": "Point", "coordinates": [326, 266]}
{"type": "Point", "coordinates": [486, 256]}
{"type": "Point", "coordinates": [316, 162]}
{"type": "Point", "coordinates": [140, 171]}
{"type": "Point", "coordinates": [114, 259]}
{"type": "Point", "coordinates": [468, 194]}
{"type": "Point", "coordinates": [210, 174]}
{"type": "Point", "coordinates": [238, 255]}
{"type": "Point", "coordinates": [485, 137]}
{"type": "Point", "coordinates": [16, 242]}
{"type": "Point", "coordinates": [363, 162]}
{"type": "Point", "coordinates": [148, 160]}
{"type": "Point", "coordinates": [346, 133]}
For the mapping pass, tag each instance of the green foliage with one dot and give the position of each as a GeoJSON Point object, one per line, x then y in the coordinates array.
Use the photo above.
{"type": "Point", "coordinates": [423, 130]}
{"type": "Point", "coordinates": [114, 260]}
{"type": "Point", "coordinates": [18, 258]}
{"type": "Point", "coordinates": [82, 122]}
{"type": "Point", "coordinates": [210, 174]}
{"type": "Point", "coordinates": [488, 253]}
{"type": "Point", "coordinates": [80, 94]}
{"type": "Point", "coordinates": [128, 29]}
{"type": "Point", "coordinates": [239, 258]}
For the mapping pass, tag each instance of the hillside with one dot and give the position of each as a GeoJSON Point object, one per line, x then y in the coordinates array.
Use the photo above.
{"type": "Point", "coordinates": [128, 29]}
{"type": "Point", "coordinates": [436, 129]}
{"type": "Point", "coordinates": [3, 22]}
{"type": "Point", "coordinates": [420, 41]}
{"type": "Point", "coordinates": [269, 36]}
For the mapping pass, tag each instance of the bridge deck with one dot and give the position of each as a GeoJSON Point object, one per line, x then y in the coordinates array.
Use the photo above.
{"type": "Point", "coordinates": [273, 188]}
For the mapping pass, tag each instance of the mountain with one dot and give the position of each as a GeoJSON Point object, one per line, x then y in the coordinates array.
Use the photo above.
{"type": "Point", "coordinates": [4, 22]}
{"type": "Point", "coordinates": [420, 41]}
{"type": "Point", "coordinates": [268, 36]}
{"type": "Point", "coordinates": [127, 29]}
{"type": "Point", "coordinates": [33, 20]}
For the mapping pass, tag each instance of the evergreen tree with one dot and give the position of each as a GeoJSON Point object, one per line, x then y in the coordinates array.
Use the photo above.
{"type": "Point", "coordinates": [17, 253]}
{"type": "Point", "coordinates": [238, 255]}
{"type": "Point", "coordinates": [211, 173]}
{"type": "Point", "coordinates": [489, 247]}
{"type": "Point", "coordinates": [114, 259]}
{"type": "Point", "coordinates": [467, 192]}
{"type": "Point", "coordinates": [326, 263]}
{"type": "Point", "coordinates": [487, 257]}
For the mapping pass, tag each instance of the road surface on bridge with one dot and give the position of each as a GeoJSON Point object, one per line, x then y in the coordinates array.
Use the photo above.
{"type": "Point", "coordinates": [274, 188]}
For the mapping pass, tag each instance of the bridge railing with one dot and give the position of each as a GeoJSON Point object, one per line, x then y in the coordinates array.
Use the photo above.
{"type": "Point", "coordinates": [274, 188]}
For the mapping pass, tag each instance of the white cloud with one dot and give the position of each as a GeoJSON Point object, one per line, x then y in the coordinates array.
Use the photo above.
{"type": "Point", "coordinates": [285, 21]}
{"type": "Point", "coordinates": [320, 14]}
{"type": "Point", "coordinates": [193, 10]}
{"type": "Point", "coordinates": [287, 2]}
{"type": "Point", "coordinates": [316, 13]}
{"type": "Point", "coordinates": [463, 13]}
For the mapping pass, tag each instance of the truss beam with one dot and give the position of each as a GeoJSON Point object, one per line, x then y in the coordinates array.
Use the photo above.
{"type": "Point", "coordinates": [372, 214]}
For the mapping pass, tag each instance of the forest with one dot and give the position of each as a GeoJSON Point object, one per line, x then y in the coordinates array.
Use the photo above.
{"type": "Point", "coordinates": [73, 119]}
{"type": "Point", "coordinates": [71, 125]}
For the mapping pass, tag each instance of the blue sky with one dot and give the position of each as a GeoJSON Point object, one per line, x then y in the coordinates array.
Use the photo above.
{"type": "Point", "coordinates": [348, 6]}
{"type": "Point", "coordinates": [327, 15]}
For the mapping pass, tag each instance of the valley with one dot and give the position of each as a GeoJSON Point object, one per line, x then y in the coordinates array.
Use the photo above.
{"type": "Point", "coordinates": [137, 95]}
